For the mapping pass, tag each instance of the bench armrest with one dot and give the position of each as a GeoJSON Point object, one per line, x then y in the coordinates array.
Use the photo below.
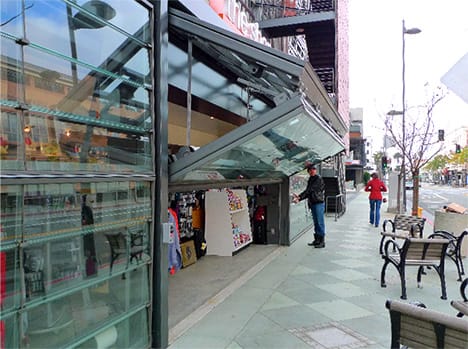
{"type": "Point", "coordinates": [394, 247]}
{"type": "Point", "coordinates": [463, 290]}
{"type": "Point", "coordinates": [390, 222]}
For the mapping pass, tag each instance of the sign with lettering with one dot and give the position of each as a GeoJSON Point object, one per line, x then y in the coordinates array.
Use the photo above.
{"type": "Point", "coordinates": [236, 15]}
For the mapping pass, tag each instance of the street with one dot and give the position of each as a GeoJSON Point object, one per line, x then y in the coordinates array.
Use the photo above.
{"type": "Point", "coordinates": [433, 197]}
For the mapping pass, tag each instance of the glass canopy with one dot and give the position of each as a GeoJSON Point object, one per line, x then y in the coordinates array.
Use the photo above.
{"type": "Point", "coordinates": [285, 129]}
{"type": "Point", "coordinates": [276, 145]}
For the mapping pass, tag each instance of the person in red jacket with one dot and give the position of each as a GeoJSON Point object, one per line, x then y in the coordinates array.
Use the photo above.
{"type": "Point", "coordinates": [375, 187]}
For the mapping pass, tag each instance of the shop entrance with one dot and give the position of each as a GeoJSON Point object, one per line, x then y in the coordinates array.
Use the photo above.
{"type": "Point", "coordinates": [210, 261]}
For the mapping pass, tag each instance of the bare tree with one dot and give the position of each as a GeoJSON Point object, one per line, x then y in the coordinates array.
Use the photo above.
{"type": "Point", "coordinates": [420, 139]}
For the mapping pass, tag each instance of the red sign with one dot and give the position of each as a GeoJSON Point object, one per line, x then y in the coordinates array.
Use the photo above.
{"type": "Point", "coordinates": [237, 17]}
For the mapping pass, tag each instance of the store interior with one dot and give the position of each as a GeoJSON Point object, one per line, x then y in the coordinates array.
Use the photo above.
{"type": "Point", "coordinates": [222, 233]}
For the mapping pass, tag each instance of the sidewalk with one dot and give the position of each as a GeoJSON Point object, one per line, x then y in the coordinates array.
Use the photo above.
{"type": "Point", "coordinates": [317, 298]}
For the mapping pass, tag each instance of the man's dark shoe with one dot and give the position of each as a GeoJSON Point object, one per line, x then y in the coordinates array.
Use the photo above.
{"type": "Point", "coordinates": [321, 244]}
{"type": "Point", "coordinates": [315, 242]}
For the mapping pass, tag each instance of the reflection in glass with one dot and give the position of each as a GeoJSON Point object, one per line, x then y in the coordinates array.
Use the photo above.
{"type": "Point", "coordinates": [57, 208]}
{"type": "Point", "coordinates": [10, 279]}
{"type": "Point", "coordinates": [101, 115]}
{"type": "Point", "coordinates": [57, 323]}
{"type": "Point", "coordinates": [11, 205]}
{"type": "Point", "coordinates": [299, 214]}
{"type": "Point", "coordinates": [66, 242]}
{"type": "Point", "coordinates": [74, 99]}
{"type": "Point", "coordinates": [277, 152]}
{"type": "Point", "coordinates": [11, 330]}
{"type": "Point", "coordinates": [95, 40]}
{"type": "Point", "coordinates": [132, 332]}
{"type": "Point", "coordinates": [61, 145]}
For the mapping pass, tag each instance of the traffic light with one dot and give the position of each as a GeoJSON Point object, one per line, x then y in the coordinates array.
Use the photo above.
{"type": "Point", "coordinates": [384, 162]}
{"type": "Point", "coordinates": [457, 148]}
{"type": "Point", "coordinates": [441, 135]}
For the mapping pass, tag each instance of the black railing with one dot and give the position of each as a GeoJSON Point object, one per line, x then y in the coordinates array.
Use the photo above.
{"type": "Point", "coordinates": [339, 203]}
{"type": "Point", "coordinates": [269, 9]}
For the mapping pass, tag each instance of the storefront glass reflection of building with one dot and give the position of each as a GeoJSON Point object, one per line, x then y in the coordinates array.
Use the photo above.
{"type": "Point", "coordinates": [76, 172]}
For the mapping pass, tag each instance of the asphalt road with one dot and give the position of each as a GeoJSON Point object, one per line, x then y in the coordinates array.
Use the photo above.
{"type": "Point", "coordinates": [434, 197]}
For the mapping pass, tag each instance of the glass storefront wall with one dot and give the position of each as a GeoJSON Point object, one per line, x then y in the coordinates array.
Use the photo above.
{"type": "Point", "coordinates": [77, 174]}
{"type": "Point", "coordinates": [80, 94]}
{"type": "Point", "coordinates": [84, 249]}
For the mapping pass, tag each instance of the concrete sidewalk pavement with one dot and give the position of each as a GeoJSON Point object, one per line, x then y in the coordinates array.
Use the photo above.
{"type": "Point", "coordinates": [304, 297]}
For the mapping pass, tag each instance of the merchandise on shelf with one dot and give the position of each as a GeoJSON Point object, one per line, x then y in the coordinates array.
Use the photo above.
{"type": "Point", "coordinates": [227, 221]}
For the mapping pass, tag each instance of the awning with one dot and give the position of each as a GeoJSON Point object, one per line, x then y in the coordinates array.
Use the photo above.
{"type": "Point", "coordinates": [293, 120]}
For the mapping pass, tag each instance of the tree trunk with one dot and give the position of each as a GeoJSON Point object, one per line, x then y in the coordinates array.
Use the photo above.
{"type": "Point", "coordinates": [414, 210]}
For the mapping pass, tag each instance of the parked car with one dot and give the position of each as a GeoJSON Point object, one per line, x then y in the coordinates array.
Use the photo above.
{"type": "Point", "coordinates": [409, 184]}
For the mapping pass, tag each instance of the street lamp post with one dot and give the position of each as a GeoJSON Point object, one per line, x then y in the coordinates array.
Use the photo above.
{"type": "Point", "coordinates": [399, 189]}
{"type": "Point", "coordinates": [403, 165]}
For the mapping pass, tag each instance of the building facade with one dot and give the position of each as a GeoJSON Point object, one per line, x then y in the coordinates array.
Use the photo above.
{"type": "Point", "coordinates": [100, 115]}
{"type": "Point", "coordinates": [76, 175]}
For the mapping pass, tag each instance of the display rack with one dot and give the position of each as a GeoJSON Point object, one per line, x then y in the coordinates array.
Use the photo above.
{"type": "Point", "coordinates": [185, 202]}
{"type": "Point", "coordinates": [227, 221]}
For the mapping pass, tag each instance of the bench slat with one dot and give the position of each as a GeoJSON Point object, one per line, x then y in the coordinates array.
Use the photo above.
{"type": "Point", "coordinates": [415, 327]}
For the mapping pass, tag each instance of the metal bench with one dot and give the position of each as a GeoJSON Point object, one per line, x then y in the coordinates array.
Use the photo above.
{"type": "Point", "coordinates": [417, 252]}
{"type": "Point", "coordinates": [401, 225]}
{"type": "Point", "coordinates": [129, 244]}
{"type": "Point", "coordinates": [418, 327]}
{"type": "Point", "coordinates": [462, 304]}
{"type": "Point", "coordinates": [454, 250]}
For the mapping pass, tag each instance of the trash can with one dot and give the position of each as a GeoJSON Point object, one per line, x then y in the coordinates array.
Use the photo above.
{"type": "Point", "coordinates": [454, 223]}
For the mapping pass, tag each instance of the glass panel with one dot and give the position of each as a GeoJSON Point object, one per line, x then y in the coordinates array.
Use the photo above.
{"type": "Point", "coordinates": [47, 24]}
{"type": "Point", "coordinates": [64, 208]}
{"type": "Point", "coordinates": [52, 266]}
{"type": "Point", "coordinates": [11, 143]}
{"type": "Point", "coordinates": [9, 331]}
{"type": "Point", "coordinates": [210, 85]}
{"type": "Point", "coordinates": [57, 323]}
{"type": "Point", "coordinates": [51, 209]}
{"type": "Point", "coordinates": [9, 279]}
{"type": "Point", "coordinates": [280, 151]}
{"type": "Point", "coordinates": [129, 333]}
{"type": "Point", "coordinates": [113, 93]}
{"type": "Point", "coordinates": [299, 214]}
{"type": "Point", "coordinates": [257, 87]}
{"type": "Point", "coordinates": [100, 125]}
{"type": "Point", "coordinates": [10, 72]}
{"type": "Point", "coordinates": [53, 144]}
{"type": "Point", "coordinates": [10, 207]}
{"type": "Point", "coordinates": [78, 231]}
{"type": "Point", "coordinates": [12, 18]}
{"type": "Point", "coordinates": [84, 34]}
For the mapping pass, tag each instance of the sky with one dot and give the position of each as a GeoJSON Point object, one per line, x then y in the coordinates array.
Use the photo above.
{"type": "Point", "coordinates": [375, 58]}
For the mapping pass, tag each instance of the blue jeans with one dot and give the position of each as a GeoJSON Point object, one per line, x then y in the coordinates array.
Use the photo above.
{"type": "Point", "coordinates": [375, 212]}
{"type": "Point", "coordinates": [318, 211]}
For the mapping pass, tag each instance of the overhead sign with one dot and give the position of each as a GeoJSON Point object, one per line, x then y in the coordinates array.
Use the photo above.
{"type": "Point", "coordinates": [236, 15]}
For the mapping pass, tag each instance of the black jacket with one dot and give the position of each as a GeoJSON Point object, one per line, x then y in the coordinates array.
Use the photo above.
{"type": "Point", "coordinates": [315, 191]}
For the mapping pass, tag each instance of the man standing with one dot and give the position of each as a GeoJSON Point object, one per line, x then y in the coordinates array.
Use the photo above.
{"type": "Point", "coordinates": [315, 194]}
